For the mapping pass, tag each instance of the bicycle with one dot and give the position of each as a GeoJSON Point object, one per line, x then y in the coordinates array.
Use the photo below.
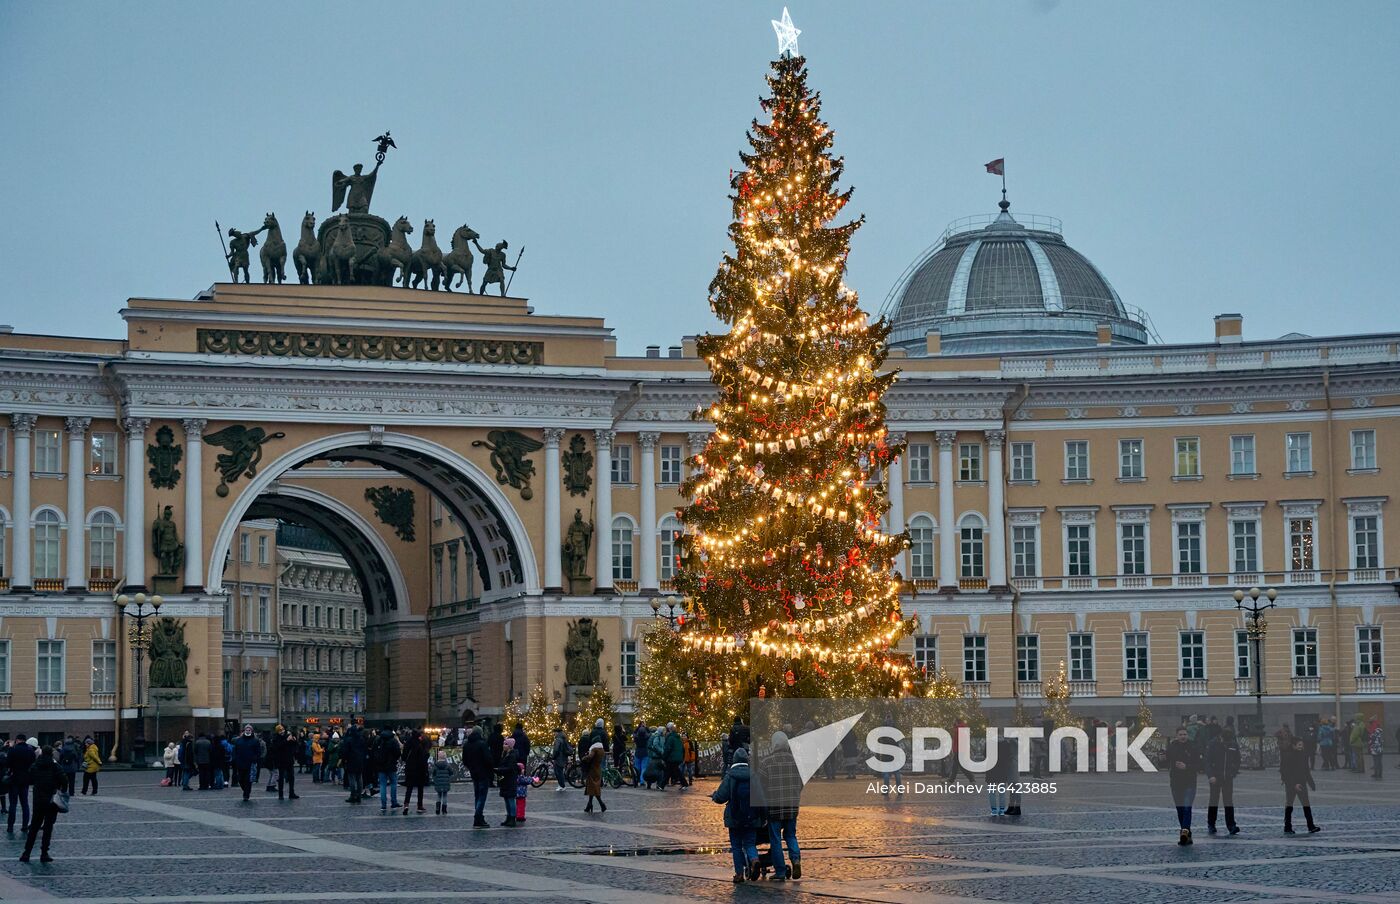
{"type": "Point", "coordinates": [573, 773]}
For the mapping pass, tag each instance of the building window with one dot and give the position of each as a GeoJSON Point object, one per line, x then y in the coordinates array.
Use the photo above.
{"type": "Point", "coordinates": [921, 548]}
{"type": "Point", "coordinates": [1023, 461]}
{"type": "Point", "coordinates": [1368, 650]}
{"type": "Point", "coordinates": [1300, 544]}
{"type": "Point", "coordinates": [49, 673]}
{"type": "Point", "coordinates": [1363, 450]}
{"type": "Point", "coordinates": [4, 666]}
{"type": "Point", "coordinates": [1081, 657]}
{"type": "Point", "coordinates": [1242, 455]}
{"type": "Point", "coordinates": [48, 452]}
{"type": "Point", "coordinates": [1244, 655]}
{"type": "Point", "coordinates": [926, 653]}
{"type": "Point", "coordinates": [1305, 653]}
{"type": "Point", "coordinates": [102, 547]}
{"type": "Point", "coordinates": [1024, 555]}
{"type": "Point", "coordinates": [1135, 658]}
{"type": "Point", "coordinates": [1366, 541]}
{"type": "Point", "coordinates": [970, 533]}
{"type": "Point", "coordinates": [622, 463]}
{"type": "Point", "coordinates": [103, 458]}
{"type": "Point", "coordinates": [1244, 539]}
{"type": "Point", "coordinates": [1079, 552]}
{"type": "Point", "coordinates": [47, 531]}
{"type": "Point", "coordinates": [629, 663]}
{"type": "Point", "coordinates": [1027, 657]}
{"type": "Point", "coordinates": [670, 464]}
{"type": "Point", "coordinates": [104, 667]}
{"type": "Point", "coordinates": [1188, 456]}
{"type": "Point", "coordinates": [670, 535]}
{"type": "Point", "coordinates": [622, 549]}
{"type": "Point", "coordinates": [969, 461]}
{"type": "Point", "coordinates": [1299, 446]}
{"type": "Point", "coordinates": [1193, 654]}
{"type": "Point", "coordinates": [1130, 459]}
{"type": "Point", "coordinates": [453, 595]}
{"type": "Point", "coordinates": [1132, 545]}
{"type": "Point", "coordinates": [262, 549]}
{"type": "Point", "coordinates": [975, 657]}
{"type": "Point", "coordinates": [920, 463]}
{"type": "Point", "coordinates": [437, 575]}
{"type": "Point", "coordinates": [1189, 547]}
{"type": "Point", "coordinates": [1076, 459]}
{"type": "Point", "coordinates": [265, 613]}
{"type": "Point", "coordinates": [245, 547]}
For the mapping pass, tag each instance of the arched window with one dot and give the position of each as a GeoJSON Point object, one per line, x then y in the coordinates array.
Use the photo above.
{"type": "Point", "coordinates": [102, 547]}
{"type": "Point", "coordinates": [47, 543]}
{"type": "Point", "coordinates": [921, 548]}
{"type": "Point", "coordinates": [622, 541]}
{"type": "Point", "coordinates": [670, 532]}
{"type": "Point", "coordinates": [970, 530]}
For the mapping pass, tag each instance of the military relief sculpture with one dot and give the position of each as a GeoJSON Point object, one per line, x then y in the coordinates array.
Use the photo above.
{"type": "Point", "coordinates": [581, 653]}
{"type": "Point", "coordinates": [356, 247]}
{"type": "Point", "coordinates": [164, 456]}
{"type": "Point", "coordinates": [394, 506]}
{"type": "Point", "coordinates": [168, 654]}
{"type": "Point", "coordinates": [508, 451]}
{"type": "Point", "coordinates": [244, 445]}
{"type": "Point", "coordinates": [577, 462]}
{"type": "Point", "coordinates": [165, 543]}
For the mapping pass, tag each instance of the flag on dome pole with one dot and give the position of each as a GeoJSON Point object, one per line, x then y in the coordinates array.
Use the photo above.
{"type": "Point", "coordinates": [997, 167]}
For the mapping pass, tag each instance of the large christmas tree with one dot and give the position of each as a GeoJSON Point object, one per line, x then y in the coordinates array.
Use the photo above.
{"type": "Point", "coordinates": [785, 568]}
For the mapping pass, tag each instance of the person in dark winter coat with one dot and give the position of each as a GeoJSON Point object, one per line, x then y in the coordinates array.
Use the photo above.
{"type": "Point", "coordinates": [4, 777]}
{"type": "Point", "coordinates": [46, 778]}
{"type": "Point", "coordinates": [559, 757]}
{"type": "Point", "coordinates": [641, 739]}
{"type": "Point", "coordinates": [20, 759]}
{"type": "Point", "coordinates": [1297, 781]}
{"type": "Point", "coordinates": [739, 734]}
{"type": "Point", "coordinates": [522, 743]}
{"type": "Point", "coordinates": [352, 756]}
{"type": "Point", "coordinates": [188, 768]}
{"type": "Point", "coordinates": [442, 774]}
{"type": "Point", "coordinates": [497, 741]}
{"type": "Point", "coordinates": [1222, 762]}
{"type": "Point", "coordinates": [247, 749]}
{"type": "Point", "coordinates": [203, 748]}
{"type": "Point", "coordinates": [506, 771]}
{"type": "Point", "coordinates": [386, 766]}
{"type": "Point", "coordinates": [69, 758]}
{"type": "Point", "coordinates": [673, 757]}
{"type": "Point", "coordinates": [781, 791]}
{"type": "Point", "coordinates": [415, 770]}
{"type": "Point", "coordinates": [619, 747]}
{"type": "Point", "coordinates": [476, 756]}
{"type": "Point", "coordinates": [1184, 765]}
{"type": "Point", "coordinates": [739, 818]}
{"type": "Point", "coordinates": [283, 751]}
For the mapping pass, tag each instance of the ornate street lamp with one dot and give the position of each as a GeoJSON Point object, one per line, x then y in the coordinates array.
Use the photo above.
{"type": "Point", "coordinates": [140, 638]}
{"type": "Point", "coordinates": [670, 610]}
{"type": "Point", "coordinates": [1256, 628]}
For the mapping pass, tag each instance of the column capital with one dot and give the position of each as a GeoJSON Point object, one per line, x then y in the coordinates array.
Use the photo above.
{"type": "Point", "coordinates": [995, 438]}
{"type": "Point", "coordinates": [135, 426]}
{"type": "Point", "coordinates": [604, 438]}
{"type": "Point", "coordinates": [946, 438]}
{"type": "Point", "coordinates": [23, 423]}
{"type": "Point", "coordinates": [194, 427]}
{"type": "Point", "coordinates": [553, 436]}
{"type": "Point", "coordinates": [696, 441]}
{"type": "Point", "coordinates": [648, 440]}
{"type": "Point", "coordinates": [896, 438]}
{"type": "Point", "coordinates": [75, 427]}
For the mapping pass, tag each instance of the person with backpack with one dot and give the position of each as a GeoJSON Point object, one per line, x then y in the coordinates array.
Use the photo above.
{"type": "Point", "coordinates": [733, 792]}
{"type": "Point", "coordinates": [656, 760]}
{"type": "Point", "coordinates": [781, 793]}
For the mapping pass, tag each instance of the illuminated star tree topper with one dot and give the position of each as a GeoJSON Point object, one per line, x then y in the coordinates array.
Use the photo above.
{"type": "Point", "coordinates": [787, 35]}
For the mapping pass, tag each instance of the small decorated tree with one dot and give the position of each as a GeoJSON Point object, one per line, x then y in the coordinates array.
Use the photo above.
{"type": "Point", "coordinates": [597, 705]}
{"type": "Point", "coordinates": [542, 717]}
{"type": "Point", "coordinates": [1056, 707]}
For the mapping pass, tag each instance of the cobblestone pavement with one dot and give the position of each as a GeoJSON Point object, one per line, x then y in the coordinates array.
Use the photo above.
{"type": "Point", "coordinates": [1102, 838]}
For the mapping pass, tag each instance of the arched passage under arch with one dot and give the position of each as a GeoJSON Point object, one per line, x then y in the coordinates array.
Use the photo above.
{"type": "Point", "coordinates": [505, 559]}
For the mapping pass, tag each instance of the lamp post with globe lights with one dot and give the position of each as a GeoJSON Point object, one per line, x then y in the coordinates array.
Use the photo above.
{"type": "Point", "coordinates": [1257, 626]}
{"type": "Point", "coordinates": [139, 638]}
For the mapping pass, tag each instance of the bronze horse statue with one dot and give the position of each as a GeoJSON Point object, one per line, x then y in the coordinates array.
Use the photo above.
{"type": "Point", "coordinates": [308, 251]}
{"type": "Point", "coordinates": [274, 252]}
{"type": "Point", "coordinates": [427, 259]}
{"type": "Point", "coordinates": [458, 261]}
{"type": "Point", "coordinates": [396, 256]}
{"type": "Point", "coordinates": [343, 256]}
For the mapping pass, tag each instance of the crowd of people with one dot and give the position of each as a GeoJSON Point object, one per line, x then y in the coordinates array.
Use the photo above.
{"type": "Point", "coordinates": [36, 781]}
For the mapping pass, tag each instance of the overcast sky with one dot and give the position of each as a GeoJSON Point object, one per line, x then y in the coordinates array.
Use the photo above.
{"type": "Point", "coordinates": [1207, 156]}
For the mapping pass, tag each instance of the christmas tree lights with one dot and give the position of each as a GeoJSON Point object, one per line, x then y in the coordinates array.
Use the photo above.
{"type": "Point", "coordinates": [785, 568]}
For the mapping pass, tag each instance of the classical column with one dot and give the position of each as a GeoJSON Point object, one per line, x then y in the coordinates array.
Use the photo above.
{"type": "Point", "coordinates": [649, 584]}
{"type": "Point", "coordinates": [21, 577]}
{"type": "Point", "coordinates": [894, 480]}
{"type": "Point", "coordinates": [602, 518]}
{"type": "Point", "coordinates": [553, 540]}
{"type": "Point", "coordinates": [947, 530]}
{"type": "Point", "coordinates": [996, 516]}
{"type": "Point", "coordinates": [135, 515]}
{"type": "Point", "coordinates": [76, 427]}
{"type": "Point", "coordinates": [194, 503]}
{"type": "Point", "coordinates": [695, 444]}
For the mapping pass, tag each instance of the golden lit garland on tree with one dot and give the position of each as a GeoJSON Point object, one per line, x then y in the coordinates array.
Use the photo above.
{"type": "Point", "coordinates": [785, 568]}
{"type": "Point", "coordinates": [542, 717]}
{"type": "Point", "coordinates": [597, 705]}
{"type": "Point", "coordinates": [1057, 696]}
{"type": "Point", "coordinates": [510, 714]}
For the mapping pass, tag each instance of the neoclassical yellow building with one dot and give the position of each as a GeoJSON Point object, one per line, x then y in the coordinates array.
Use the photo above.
{"type": "Point", "coordinates": [1075, 491]}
